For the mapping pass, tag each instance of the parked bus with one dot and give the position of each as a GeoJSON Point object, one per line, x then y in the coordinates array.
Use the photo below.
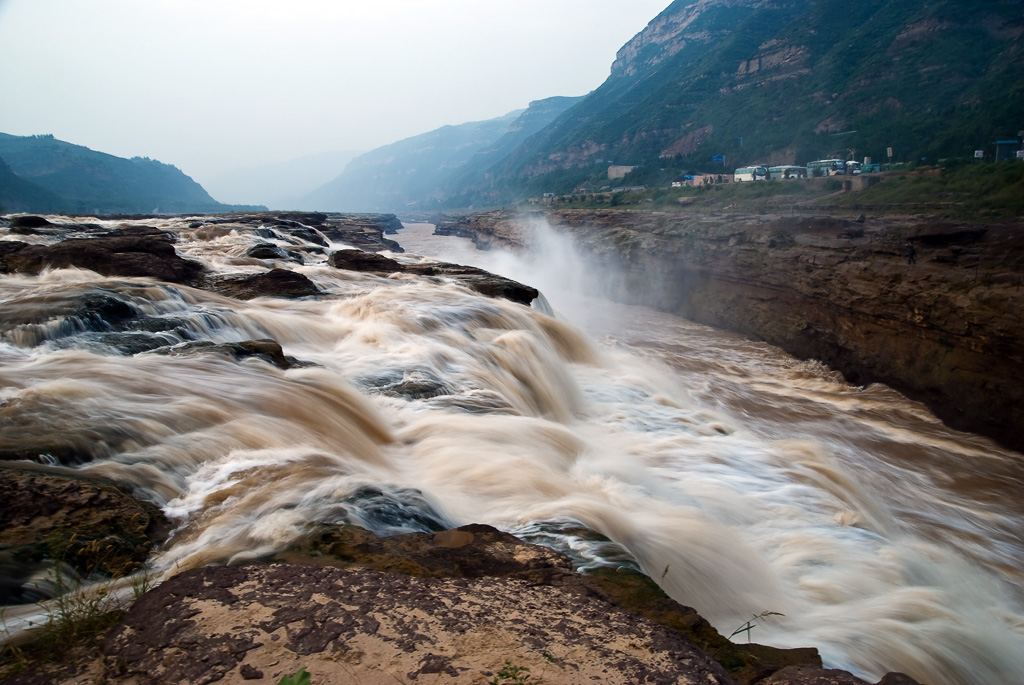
{"type": "Point", "coordinates": [749, 173]}
{"type": "Point", "coordinates": [826, 167]}
{"type": "Point", "coordinates": [786, 172]}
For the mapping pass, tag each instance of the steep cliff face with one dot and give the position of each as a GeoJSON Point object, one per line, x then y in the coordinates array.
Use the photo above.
{"type": "Point", "coordinates": [945, 330]}
{"type": "Point", "coordinates": [783, 81]}
{"type": "Point", "coordinates": [670, 32]}
{"type": "Point", "coordinates": [657, 83]}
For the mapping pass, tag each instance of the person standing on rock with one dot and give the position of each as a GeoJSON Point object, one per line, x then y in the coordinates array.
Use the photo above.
{"type": "Point", "coordinates": [911, 252]}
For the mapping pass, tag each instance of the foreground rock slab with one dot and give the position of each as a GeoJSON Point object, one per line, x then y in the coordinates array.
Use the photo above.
{"type": "Point", "coordinates": [233, 624]}
{"type": "Point", "coordinates": [467, 605]}
{"type": "Point", "coordinates": [480, 551]}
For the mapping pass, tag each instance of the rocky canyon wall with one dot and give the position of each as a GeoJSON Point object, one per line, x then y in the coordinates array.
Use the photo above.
{"type": "Point", "coordinates": [945, 330]}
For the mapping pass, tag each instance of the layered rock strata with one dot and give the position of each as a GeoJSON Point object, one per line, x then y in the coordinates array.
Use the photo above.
{"type": "Point", "coordinates": [945, 330]}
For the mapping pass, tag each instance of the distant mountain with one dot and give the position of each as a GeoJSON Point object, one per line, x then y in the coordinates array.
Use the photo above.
{"type": "Point", "coordinates": [19, 195]}
{"type": "Point", "coordinates": [406, 173]}
{"type": "Point", "coordinates": [710, 85]}
{"type": "Point", "coordinates": [80, 180]}
{"type": "Point", "coordinates": [435, 169]}
{"type": "Point", "coordinates": [473, 181]}
{"type": "Point", "coordinates": [280, 185]}
{"type": "Point", "coordinates": [783, 81]}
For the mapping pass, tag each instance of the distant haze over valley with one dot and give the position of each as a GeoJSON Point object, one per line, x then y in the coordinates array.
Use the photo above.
{"type": "Point", "coordinates": [281, 185]}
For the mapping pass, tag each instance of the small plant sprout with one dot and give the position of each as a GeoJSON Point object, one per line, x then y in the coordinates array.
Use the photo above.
{"type": "Point", "coordinates": [510, 675]}
{"type": "Point", "coordinates": [301, 677]}
{"type": "Point", "coordinates": [749, 625]}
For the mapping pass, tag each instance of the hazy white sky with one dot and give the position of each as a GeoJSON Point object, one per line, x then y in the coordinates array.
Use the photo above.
{"type": "Point", "coordinates": [212, 85]}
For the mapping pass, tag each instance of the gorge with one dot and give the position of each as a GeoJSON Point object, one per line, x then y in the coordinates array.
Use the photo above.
{"type": "Point", "coordinates": [268, 397]}
{"type": "Point", "coordinates": [945, 330]}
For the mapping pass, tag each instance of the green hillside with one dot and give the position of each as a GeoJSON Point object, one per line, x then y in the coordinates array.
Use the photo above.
{"type": "Point", "coordinates": [80, 180]}
{"type": "Point", "coordinates": [19, 195]}
{"type": "Point", "coordinates": [786, 82]}
{"type": "Point", "coordinates": [471, 183]}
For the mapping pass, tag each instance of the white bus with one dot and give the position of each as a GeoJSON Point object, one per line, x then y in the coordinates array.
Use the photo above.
{"type": "Point", "coordinates": [786, 172]}
{"type": "Point", "coordinates": [826, 167]}
{"type": "Point", "coordinates": [749, 173]}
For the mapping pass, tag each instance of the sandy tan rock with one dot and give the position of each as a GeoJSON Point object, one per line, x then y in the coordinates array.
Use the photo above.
{"type": "Point", "coordinates": [232, 624]}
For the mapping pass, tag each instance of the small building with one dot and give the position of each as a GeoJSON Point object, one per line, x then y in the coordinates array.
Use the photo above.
{"type": "Point", "coordinates": [617, 171]}
{"type": "Point", "coordinates": [1006, 149]}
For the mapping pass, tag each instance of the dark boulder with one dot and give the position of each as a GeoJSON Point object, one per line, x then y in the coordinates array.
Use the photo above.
{"type": "Point", "coordinates": [268, 251]}
{"type": "Point", "coordinates": [358, 260]}
{"type": "Point", "coordinates": [472, 551]}
{"type": "Point", "coordinates": [9, 250]}
{"type": "Point", "coordinates": [29, 221]}
{"type": "Point", "coordinates": [483, 282]}
{"type": "Point", "coordinates": [497, 286]}
{"type": "Point", "coordinates": [268, 350]}
{"type": "Point", "coordinates": [147, 253]}
{"type": "Point", "coordinates": [56, 516]}
{"type": "Point", "coordinates": [415, 385]}
{"type": "Point", "coordinates": [273, 283]}
{"type": "Point", "coordinates": [307, 235]}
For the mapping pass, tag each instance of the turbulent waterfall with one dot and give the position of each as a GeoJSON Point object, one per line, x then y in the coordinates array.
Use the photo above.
{"type": "Point", "coordinates": [742, 480]}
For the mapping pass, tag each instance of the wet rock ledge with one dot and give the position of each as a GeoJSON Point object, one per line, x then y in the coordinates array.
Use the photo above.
{"type": "Point", "coordinates": [135, 249]}
{"type": "Point", "coordinates": [453, 606]}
